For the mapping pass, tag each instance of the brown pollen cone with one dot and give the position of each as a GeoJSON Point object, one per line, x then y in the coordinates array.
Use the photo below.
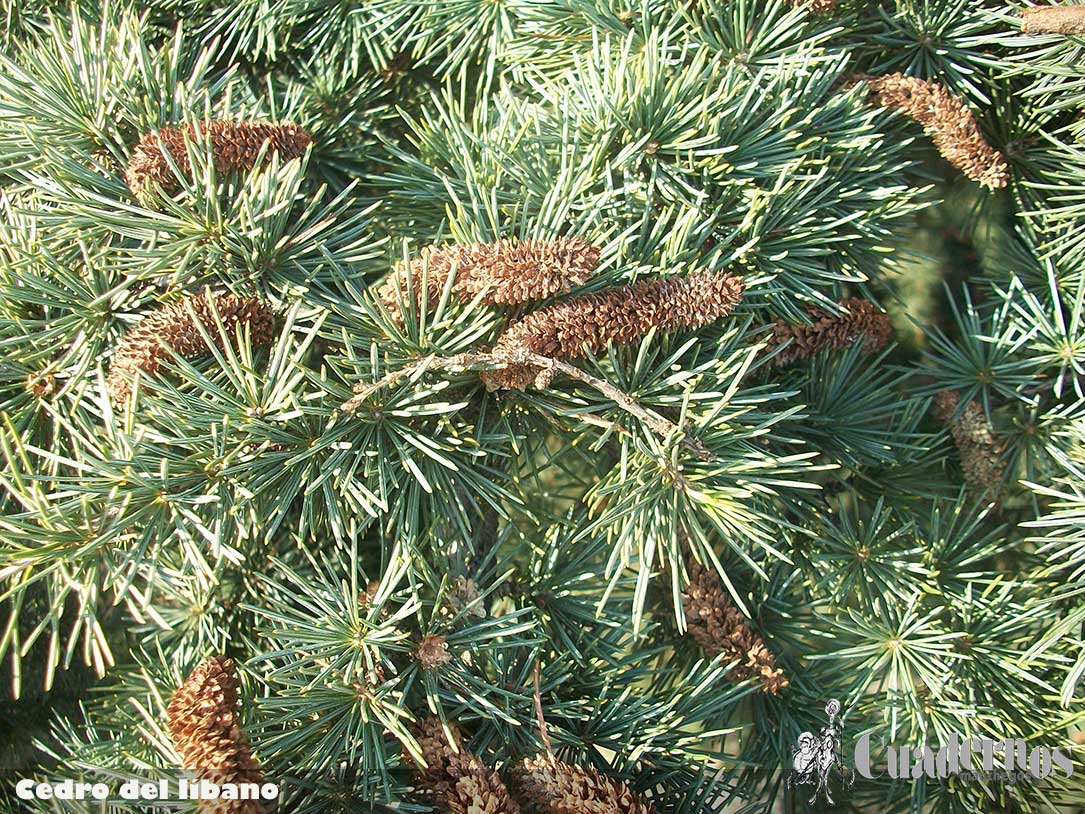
{"type": "Point", "coordinates": [504, 272]}
{"type": "Point", "coordinates": [719, 627]}
{"type": "Point", "coordinates": [982, 452]}
{"type": "Point", "coordinates": [564, 330]}
{"type": "Point", "coordinates": [546, 785]}
{"type": "Point", "coordinates": [41, 385]}
{"type": "Point", "coordinates": [235, 147]}
{"type": "Point", "coordinates": [948, 122]}
{"type": "Point", "coordinates": [817, 6]}
{"type": "Point", "coordinates": [432, 652]}
{"type": "Point", "coordinates": [203, 722]}
{"type": "Point", "coordinates": [464, 595]}
{"type": "Point", "coordinates": [862, 321]}
{"type": "Point", "coordinates": [142, 350]}
{"type": "Point", "coordinates": [456, 781]}
{"type": "Point", "coordinates": [1054, 20]}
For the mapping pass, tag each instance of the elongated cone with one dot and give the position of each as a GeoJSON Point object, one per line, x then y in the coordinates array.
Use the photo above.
{"type": "Point", "coordinates": [566, 329]}
{"type": "Point", "coordinates": [203, 722]}
{"type": "Point", "coordinates": [861, 322]}
{"type": "Point", "coordinates": [235, 147]}
{"type": "Point", "coordinates": [719, 627]}
{"type": "Point", "coordinates": [456, 781]}
{"type": "Point", "coordinates": [983, 461]}
{"type": "Point", "coordinates": [546, 785]}
{"type": "Point", "coordinates": [947, 120]}
{"type": "Point", "coordinates": [143, 348]}
{"type": "Point", "coordinates": [504, 272]}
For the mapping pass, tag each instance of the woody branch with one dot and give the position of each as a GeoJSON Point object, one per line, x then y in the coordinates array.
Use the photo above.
{"type": "Point", "coordinates": [662, 427]}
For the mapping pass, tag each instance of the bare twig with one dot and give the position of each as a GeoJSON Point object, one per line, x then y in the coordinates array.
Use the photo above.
{"type": "Point", "coordinates": [364, 391]}
{"type": "Point", "coordinates": [539, 712]}
{"type": "Point", "coordinates": [661, 426]}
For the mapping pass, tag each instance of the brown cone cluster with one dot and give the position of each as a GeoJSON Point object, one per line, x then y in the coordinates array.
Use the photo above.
{"type": "Point", "coordinates": [143, 348]}
{"type": "Point", "coordinates": [456, 781]}
{"type": "Point", "coordinates": [235, 147]}
{"type": "Point", "coordinates": [948, 122]}
{"type": "Point", "coordinates": [621, 315]}
{"type": "Point", "coordinates": [861, 322]}
{"type": "Point", "coordinates": [982, 452]}
{"type": "Point", "coordinates": [1069, 20]}
{"type": "Point", "coordinates": [719, 627]}
{"type": "Point", "coordinates": [203, 721]}
{"type": "Point", "coordinates": [505, 272]}
{"type": "Point", "coordinates": [817, 6]}
{"type": "Point", "coordinates": [545, 785]}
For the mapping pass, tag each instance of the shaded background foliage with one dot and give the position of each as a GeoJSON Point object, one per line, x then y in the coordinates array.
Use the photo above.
{"type": "Point", "coordinates": [233, 510]}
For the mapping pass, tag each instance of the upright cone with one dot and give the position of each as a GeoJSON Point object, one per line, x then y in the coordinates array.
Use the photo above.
{"type": "Point", "coordinates": [948, 122]}
{"type": "Point", "coordinates": [719, 627]}
{"type": "Point", "coordinates": [546, 785]}
{"type": "Point", "coordinates": [504, 272]}
{"type": "Point", "coordinates": [454, 780]}
{"type": "Point", "coordinates": [567, 329]}
{"type": "Point", "coordinates": [203, 722]}
{"type": "Point", "coordinates": [143, 348]}
{"type": "Point", "coordinates": [235, 147]}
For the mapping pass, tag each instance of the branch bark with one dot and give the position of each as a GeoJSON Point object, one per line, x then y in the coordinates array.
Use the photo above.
{"type": "Point", "coordinates": [1067, 20]}
{"type": "Point", "coordinates": [661, 426]}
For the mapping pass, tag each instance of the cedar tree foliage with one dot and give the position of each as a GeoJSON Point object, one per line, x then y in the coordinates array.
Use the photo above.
{"type": "Point", "coordinates": [540, 405]}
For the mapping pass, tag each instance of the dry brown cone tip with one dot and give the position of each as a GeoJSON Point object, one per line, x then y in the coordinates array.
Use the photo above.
{"type": "Point", "coordinates": [235, 147]}
{"type": "Point", "coordinates": [719, 627]}
{"type": "Point", "coordinates": [982, 452]}
{"type": "Point", "coordinates": [546, 785]}
{"type": "Point", "coordinates": [568, 329]}
{"type": "Point", "coordinates": [948, 122]}
{"type": "Point", "coordinates": [456, 781]}
{"type": "Point", "coordinates": [861, 321]}
{"type": "Point", "coordinates": [203, 722]}
{"type": "Point", "coordinates": [504, 272]}
{"type": "Point", "coordinates": [1069, 20]}
{"type": "Point", "coordinates": [144, 347]}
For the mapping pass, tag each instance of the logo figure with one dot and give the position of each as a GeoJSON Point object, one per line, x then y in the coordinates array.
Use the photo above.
{"type": "Point", "coordinates": [815, 756]}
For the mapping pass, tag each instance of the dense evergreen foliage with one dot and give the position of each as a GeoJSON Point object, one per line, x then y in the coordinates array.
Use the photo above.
{"type": "Point", "coordinates": [614, 523]}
